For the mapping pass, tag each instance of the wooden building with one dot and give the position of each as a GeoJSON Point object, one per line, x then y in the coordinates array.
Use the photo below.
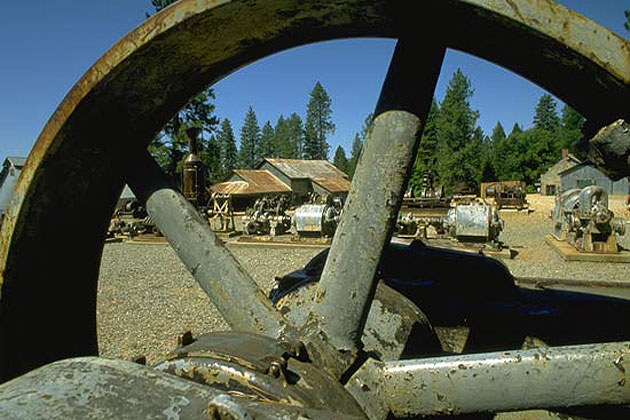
{"type": "Point", "coordinates": [296, 177]}
{"type": "Point", "coordinates": [583, 175]}
{"type": "Point", "coordinates": [550, 182]}
{"type": "Point", "coordinates": [11, 168]}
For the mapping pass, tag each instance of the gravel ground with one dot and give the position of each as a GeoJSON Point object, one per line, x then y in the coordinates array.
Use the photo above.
{"type": "Point", "coordinates": [526, 234]}
{"type": "Point", "coordinates": [147, 298]}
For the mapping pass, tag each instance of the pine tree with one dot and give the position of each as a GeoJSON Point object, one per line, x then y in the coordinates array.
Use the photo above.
{"type": "Point", "coordinates": [426, 159]}
{"type": "Point", "coordinates": [488, 174]}
{"type": "Point", "coordinates": [476, 151]}
{"type": "Point", "coordinates": [311, 147]}
{"type": "Point", "coordinates": [281, 138]}
{"type": "Point", "coordinates": [498, 140]}
{"type": "Point", "coordinates": [227, 148]}
{"type": "Point", "coordinates": [516, 129]}
{"type": "Point", "coordinates": [340, 160]}
{"type": "Point", "coordinates": [318, 124]}
{"type": "Point", "coordinates": [211, 158]}
{"type": "Point", "coordinates": [367, 125]}
{"type": "Point", "coordinates": [570, 128]}
{"type": "Point", "coordinates": [626, 24]}
{"type": "Point", "coordinates": [161, 4]}
{"type": "Point", "coordinates": [498, 134]}
{"type": "Point", "coordinates": [355, 154]}
{"type": "Point", "coordinates": [266, 144]}
{"type": "Point", "coordinates": [250, 135]}
{"type": "Point", "coordinates": [545, 115]}
{"type": "Point", "coordinates": [456, 127]}
{"type": "Point", "coordinates": [295, 139]}
{"type": "Point", "coordinates": [170, 146]}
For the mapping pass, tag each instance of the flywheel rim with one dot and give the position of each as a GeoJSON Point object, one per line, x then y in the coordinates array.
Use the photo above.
{"type": "Point", "coordinates": [74, 170]}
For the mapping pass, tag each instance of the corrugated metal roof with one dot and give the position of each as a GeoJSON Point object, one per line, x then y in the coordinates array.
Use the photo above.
{"type": "Point", "coordinates": [297, 168]}
{"type": "Point", "coordinates": [556, 168]}
{"type": "Point", "coordinates": [578, 167]}
{"type": "Point", "coordinates": [334, 185]}
{"type": "Point", "coordinates": [254, 181]}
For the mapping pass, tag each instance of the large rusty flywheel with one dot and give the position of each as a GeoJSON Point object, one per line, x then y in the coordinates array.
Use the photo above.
{"type": "Point", "coordinates": [97, 139]}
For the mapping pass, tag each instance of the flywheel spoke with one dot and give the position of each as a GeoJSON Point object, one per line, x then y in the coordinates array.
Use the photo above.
{"type": "Point", "coordinates": [347, 282]}
{"type": "Point", "coordinates": [230, 288]}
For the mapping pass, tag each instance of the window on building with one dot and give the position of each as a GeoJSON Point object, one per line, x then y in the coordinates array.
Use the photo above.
{"type": "Point", "coordinates": [583, 183]}
{"type": "Point", "coordinates": [550, 190]}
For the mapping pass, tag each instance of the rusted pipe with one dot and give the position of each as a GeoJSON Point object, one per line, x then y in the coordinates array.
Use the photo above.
{"type": "Point", "coordinates": [347, 283]}
{"type": "Point", "coordinates": [230, 288]}
{"type": "Point", "coordinates": [593, 374]}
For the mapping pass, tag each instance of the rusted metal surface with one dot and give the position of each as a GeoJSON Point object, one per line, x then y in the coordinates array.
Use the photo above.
{"type": "Point", "coordinates": [71, 180]}
{"type": "Point", "coordinates": [100, 388]}
{"type": "Point", "coordinates": [595, 374]}
{"type": "Point", "coordinates": [230, 288]}
{"type": "Point", "coordinates": [193, 177]}
{"type": "Point", "coordinates": [93, 388]}
{"type": "Point", "coordinates": [269, 216]}
{"type": "Point", "coordinates": [299, 168]}
{"type": "Point", "coordinates": [261, 369]}
{"type": "Point", "coordinates": [609, 149]}
{"type": "Point", "coordinates": [343, 301]}
{"type": "Point", "coordinates": [254, 182]}
{"type": "Point", "coordinates": [394, 328]}
{"type": "Point", "coordinates": [333, 184]}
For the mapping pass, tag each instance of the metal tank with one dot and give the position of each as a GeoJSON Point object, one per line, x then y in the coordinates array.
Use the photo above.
{"type": "Point", "coordinates": [318, 219]}
{"type": "Point", "coordinates": [193, 183]}
{"type": "Point", "coordinates": [474, 222]}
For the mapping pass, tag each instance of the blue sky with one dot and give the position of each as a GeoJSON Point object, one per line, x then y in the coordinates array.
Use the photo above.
{"type": "Point", "coordinates": [45, 47]}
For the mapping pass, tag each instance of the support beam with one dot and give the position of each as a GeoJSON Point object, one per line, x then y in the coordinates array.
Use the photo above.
{"type": "Point", "coordinates": [347, 283]}
{"type": "Point", "coordinates": [594, 374]}
{"type": "Point", "coordinates": [230, 288]}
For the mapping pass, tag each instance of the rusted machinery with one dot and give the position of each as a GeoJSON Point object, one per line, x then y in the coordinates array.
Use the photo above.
{"type": "Point", "coordinates": [268, 216]}
{"type": "Point", "coordinates": [430, 196]}
{"type": "Point", "coordinates": [582, 218]}
{"type": "Point", "coordinates": [471, 223]}
{"type": "Point", "coordinates": [317, 219]}
{"type": "Point", "coordinates": [220, 214]}
{"type": "Point", "coordinates": [332, 365]}
{"type": "Point", "coordinates": [193, 179]}
{"type": "Point", "coordinates": [506, 194]}
{"type": "Point", "coordinates": [131, 219]}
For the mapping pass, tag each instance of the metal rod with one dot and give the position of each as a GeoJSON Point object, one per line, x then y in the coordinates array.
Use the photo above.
{"type": "Point", "coordinates": [347, 283]}
{"type": "Point", "coordinates": [560, 377]}
{"type": "Point", "coordinates": [230, 288]}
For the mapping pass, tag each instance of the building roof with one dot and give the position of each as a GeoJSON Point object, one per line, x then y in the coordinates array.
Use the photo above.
{"type": "Point", "coordinates": [127, 194]}
{"type": "Point", "coordinates": [253, 182]}
{"type": "Point", "coordinates": [298, 168]}
{"type": "Point", "coordinates": [333, 185]}
{"type": "Point", "coordinates": [577, 167]}
{"type": "Point", "coordinates": [15, 161]}
{"type": "Point", "coordinates": [556, 167]}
